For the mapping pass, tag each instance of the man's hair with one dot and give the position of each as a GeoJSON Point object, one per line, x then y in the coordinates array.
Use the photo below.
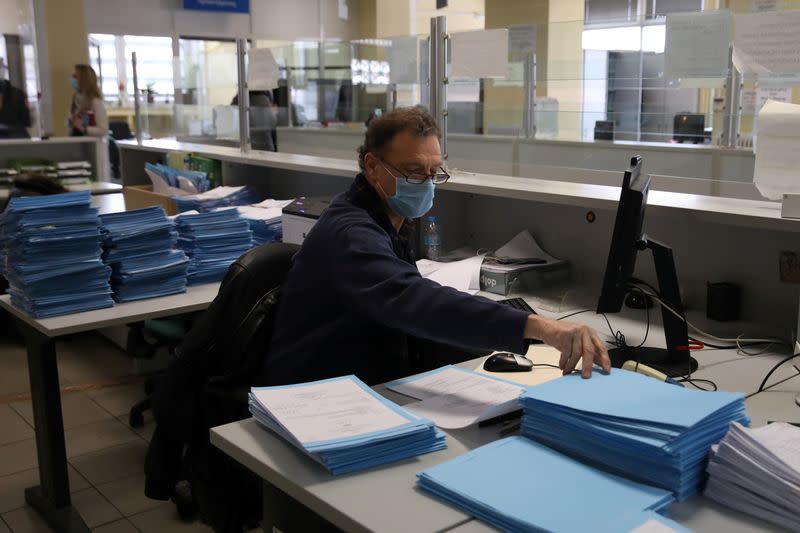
{"type": "Point", "coordinates": [381, 130]}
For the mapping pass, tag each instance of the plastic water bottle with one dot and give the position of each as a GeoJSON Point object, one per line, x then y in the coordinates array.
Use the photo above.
{"type": "Point", "coordinates": [432, 238]}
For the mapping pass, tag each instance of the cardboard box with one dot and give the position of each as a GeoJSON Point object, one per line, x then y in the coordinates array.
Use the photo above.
{"type": "Point", "coordinates": [138, 196]}
{"type": "Point", "coordinates": [525, 278]}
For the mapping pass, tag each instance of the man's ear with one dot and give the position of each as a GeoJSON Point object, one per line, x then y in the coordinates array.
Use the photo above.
{"type": "Point", "coordinates": [370, 165]}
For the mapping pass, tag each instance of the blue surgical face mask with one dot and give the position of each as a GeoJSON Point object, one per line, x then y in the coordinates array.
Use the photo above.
{"type": "Point", "coordinates": [74, 84]}
{"type": "Point", "coordinates": [411, 200]}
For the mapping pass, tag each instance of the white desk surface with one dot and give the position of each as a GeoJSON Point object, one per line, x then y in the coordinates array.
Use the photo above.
{"type": "Point", "coordinates": [350, 502]}
{"type": "Point", "coordinates": [50, 140]}
{"type": "Point", "coordinates": [734, 211]}
{"type": "Point", "coordinates": [196, 298]}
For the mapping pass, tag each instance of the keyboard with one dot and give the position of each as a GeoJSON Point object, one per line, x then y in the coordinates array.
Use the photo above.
{"type": "Point", "coordinates": [517, 303]}
{"type": "Point", "coordinates": [522, 305]}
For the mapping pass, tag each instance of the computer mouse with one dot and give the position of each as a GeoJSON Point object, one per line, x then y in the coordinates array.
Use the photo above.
{"type": "Point", "coordinates": [507, 362]}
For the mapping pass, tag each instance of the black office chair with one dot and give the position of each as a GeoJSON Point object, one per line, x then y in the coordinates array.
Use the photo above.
{"type": "Point", "coordinates": [143, 342]}
{"type": "Point", "coordinates": [207, 385]}
{"type": "Point", "coordinates": [120, 131]}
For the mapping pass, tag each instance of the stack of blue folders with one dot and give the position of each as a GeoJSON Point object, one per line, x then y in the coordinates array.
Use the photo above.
{"type": "Point", "coordinates": [52, 247]}
{"type": "Point", "coordinates": [343, 424]}
{"type": "Point", "coordinates": [216, 197]}
{"type": "Point", "coordinates": [516, 484]}
{"type": "Point", "coordinates": [139, 248]}
{"type": "Point", "coordinates": [633, 425]}
{"type": "Point", "coordinates": [212, 241]}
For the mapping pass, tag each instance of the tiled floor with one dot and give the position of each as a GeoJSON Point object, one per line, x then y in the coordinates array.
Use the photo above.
{"type": "Point", "coordinates": [106, 456]}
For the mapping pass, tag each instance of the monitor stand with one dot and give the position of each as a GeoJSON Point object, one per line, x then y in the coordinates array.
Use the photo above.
{"type": "Point", "coordinates": [675, 360]}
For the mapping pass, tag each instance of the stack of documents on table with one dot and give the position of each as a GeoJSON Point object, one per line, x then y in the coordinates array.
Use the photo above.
{"type": "Point", "coordinates": [216, 197]}
{"type": "Point", "coordinates": [343, 424]}
{"type": "Point", "coordinates": [455, 398]}
{"type": "Point", "coordinates": [139, 248]}
{"type": "Point", "coordinates": [52, 247]}
{"type": "Point", "coordinates": [265, 220]}
{"type": "Point", "coordinates": [212, 241]}
{"type": "Point", "coordinates": [633, 425]}
{"type": "Point", "coordinates": [516, 484]}
{"type": "Point", "coordinates": [757, 471]}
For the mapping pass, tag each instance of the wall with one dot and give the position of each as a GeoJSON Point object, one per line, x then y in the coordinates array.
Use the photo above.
{"type": "Point", "coordinates": [462, 15]}
{"type": "Point", "coordinates": [60, 28]}
{"type": "Point", "coordinates": [394, 18]}
{"type": "Point", "coordinates": [268, 19]}
{"type": "Point", "coordinates": [13, 15]}
{"type": "Point", "coordinates": [502, 104]}
{"type": "Point", "coordinates": [565, 64]}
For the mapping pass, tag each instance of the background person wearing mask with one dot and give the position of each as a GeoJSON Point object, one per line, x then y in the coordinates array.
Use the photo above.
{"type": "Point", "coordinates": [87, 113]}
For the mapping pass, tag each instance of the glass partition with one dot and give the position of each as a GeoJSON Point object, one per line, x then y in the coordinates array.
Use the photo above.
{"type": "Point", "coordinates": [206, 92]}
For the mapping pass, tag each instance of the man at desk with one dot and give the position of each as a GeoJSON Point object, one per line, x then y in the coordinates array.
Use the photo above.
{"type": "Point", "coordinates": [354, 301]}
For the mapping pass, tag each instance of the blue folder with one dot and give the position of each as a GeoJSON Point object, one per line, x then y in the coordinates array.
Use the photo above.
{"type": "Point", "coordinates": [516, 484]}
{"type": "Point", "coordinates": [632, 425]}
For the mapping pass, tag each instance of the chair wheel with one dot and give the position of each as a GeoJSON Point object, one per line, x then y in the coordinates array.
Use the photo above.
{"type": "Point", "coordinates": [135, 419]}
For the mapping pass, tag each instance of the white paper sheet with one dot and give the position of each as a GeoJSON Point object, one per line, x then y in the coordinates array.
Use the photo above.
{"type": "Point", "coordinates": [778, 150]}
{"type": "Point", "coordinates": [461, 275]}
{"type": "Point", "coordinates": [403, 60]}
{"type": "Point", "coordinates": [767, 42]}
{"type": "Point", "coordinates": [453, 398]}
{"type": "Point", "coordinates": [696, 45]}
{"type": "Point", "coordinates": [262, 71]}
{"type": "Point", "coordinates": [480, 54]}
{"type": "Point", "coordinates": [327, 411]}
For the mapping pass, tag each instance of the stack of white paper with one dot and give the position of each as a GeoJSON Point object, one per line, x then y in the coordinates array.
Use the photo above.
{"type": "Point", "coordinates": [516, 484]}
{"type": "Point", "coordinates": [343, 424]}
{"type": "Point", "coordinates": [633, 425]}
{"type": "Point", "coordinates": [455, 398]}
{"type": "Point", "coordinates": [757, 471]}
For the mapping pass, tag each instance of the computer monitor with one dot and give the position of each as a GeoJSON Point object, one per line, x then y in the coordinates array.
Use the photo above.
{"type": "Point", "coordinates": [689, 127]}
{"type": "Point", "coordinates": [627, 241]}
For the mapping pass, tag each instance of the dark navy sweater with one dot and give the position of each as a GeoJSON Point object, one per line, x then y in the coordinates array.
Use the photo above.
{"type": "Point", "coordinates": [354, 296]}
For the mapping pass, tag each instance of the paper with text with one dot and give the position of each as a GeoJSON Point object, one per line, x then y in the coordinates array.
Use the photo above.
{"type": "Point", "coordinates": [327, 411]}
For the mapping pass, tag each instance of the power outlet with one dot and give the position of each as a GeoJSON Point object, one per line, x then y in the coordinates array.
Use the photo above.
{"type": "Point", "coordinates": [789, 266]}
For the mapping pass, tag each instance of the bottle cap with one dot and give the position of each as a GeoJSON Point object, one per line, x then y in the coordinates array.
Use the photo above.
{"type": "Point", "coordinates": [432, 218]}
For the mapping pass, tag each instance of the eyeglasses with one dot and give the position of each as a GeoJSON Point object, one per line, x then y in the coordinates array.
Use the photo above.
{"type": "Point", "coordinates": [418, 179]}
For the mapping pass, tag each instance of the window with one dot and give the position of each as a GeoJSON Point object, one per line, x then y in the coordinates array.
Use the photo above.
{"type": "Point", "coordinates": [111, 59]}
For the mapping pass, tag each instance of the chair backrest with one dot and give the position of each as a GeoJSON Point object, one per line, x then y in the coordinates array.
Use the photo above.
{"type": "Point", "coordinates": [229, 341]}
{"type": "Point", "coordinates": [120, 130]}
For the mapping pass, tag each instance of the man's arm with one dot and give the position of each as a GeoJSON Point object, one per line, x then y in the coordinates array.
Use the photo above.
{"type": "Point", "coordinates": [372, 280]}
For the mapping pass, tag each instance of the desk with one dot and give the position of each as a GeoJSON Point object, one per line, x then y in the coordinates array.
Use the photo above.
{"type": "Point", "coordinates": [52, 497]}
{"type": "Point", "coordinates": [386, 498]}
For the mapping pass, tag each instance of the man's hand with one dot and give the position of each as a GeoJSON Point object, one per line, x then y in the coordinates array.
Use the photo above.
{"type": "Point", "coordinates": [574, 341]}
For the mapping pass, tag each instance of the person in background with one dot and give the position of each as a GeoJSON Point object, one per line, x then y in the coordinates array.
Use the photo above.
{"type": "Point", "coordinates": [15, 117]}
{"type": "Point", "coordinates": [263, 122]}
{"type": "Point", "coordinates": [87, 113]}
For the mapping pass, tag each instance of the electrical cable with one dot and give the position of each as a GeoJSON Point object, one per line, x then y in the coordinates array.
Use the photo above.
{"type": "Point", "coordinates": [774, 368]}
{"type": "Point", "coordinates": [575, 313]}
{"type": "Point", "coordinates": [738, 340]}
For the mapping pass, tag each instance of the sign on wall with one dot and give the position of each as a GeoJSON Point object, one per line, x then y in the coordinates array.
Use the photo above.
{"type": "Point", "coordinates": [226, 6]}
